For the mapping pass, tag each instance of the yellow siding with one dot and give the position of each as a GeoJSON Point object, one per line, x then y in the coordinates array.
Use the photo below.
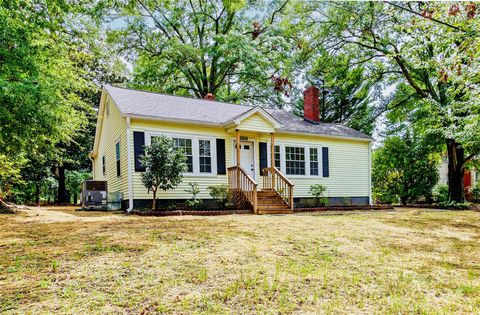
{"type": "Point", "coordinates": [140, 192]}
{"type": "Point", "coordinates": [349, 161]}
{"type": "Point", "coordinates": [256, 123]}
{"type": "Point", "coordinates": [349, 166]}
{"type": "Point", "coordinates": [113, 128]}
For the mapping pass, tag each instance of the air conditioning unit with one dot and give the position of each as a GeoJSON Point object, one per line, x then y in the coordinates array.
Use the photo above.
{"type": "Point", "coordinates": [94, 195]}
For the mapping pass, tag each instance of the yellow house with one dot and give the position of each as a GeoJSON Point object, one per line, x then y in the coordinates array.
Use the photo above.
{"type": "Point", "coordinates": [269, 158]}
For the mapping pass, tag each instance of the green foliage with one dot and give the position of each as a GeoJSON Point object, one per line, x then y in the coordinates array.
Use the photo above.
{"type": "Point", "coordinates": [317, 191]}
{"type": "Point", "coordinates": [229, 48]}
{"type": "Point", "coordinates": [476, 192]}
{"type": "Point", "coordinates": [431, 67]}
{"type": "Point", "coordinates": [9, 175]}
{"type": "Point", "coordinates": [347, 201]}
{"type": "Point", "coordinates": [53, 60]}
{"type": "Point", "coordinates": [404, 169]}
{"type": "Point", "coordinates": [440, 194]}
{"type": "Point", "coordinates": [346, 90]}
{"type": "Point", "coordinates": [73, 182]}
{"type": "Point", "coordinates": [194, 202]}
{"type": "Point", "coordinates": [164, 165]}
{"type": "Point", "coordinates": [219, 192]}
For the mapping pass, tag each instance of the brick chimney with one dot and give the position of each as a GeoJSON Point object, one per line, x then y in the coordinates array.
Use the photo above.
{"type": "Point", "coordinates": [209, 97]}
{"type": "Point", "coordinates": [310, 104]}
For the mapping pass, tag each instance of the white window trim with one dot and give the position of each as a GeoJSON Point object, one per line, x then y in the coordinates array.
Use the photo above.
{"type": "Point", "coordinates": [195, 150]}
{"type": "Point", "coordinates": [283, 163]}
{"type": "Point", "coordinates": [120, 157]}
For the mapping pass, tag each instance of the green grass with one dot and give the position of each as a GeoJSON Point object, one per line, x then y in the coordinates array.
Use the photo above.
{"type": "Point", "coordinates": [363, 262]}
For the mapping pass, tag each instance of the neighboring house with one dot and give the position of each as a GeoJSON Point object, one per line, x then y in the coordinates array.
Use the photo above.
{"type": "Point", "coordinates": [304, 151]}
{"type": "Point", "coordinates": [470, 177]}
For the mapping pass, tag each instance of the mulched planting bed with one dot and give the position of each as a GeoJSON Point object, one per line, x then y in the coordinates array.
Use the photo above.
{"type": "Point", "coordinates": [345, 208]}
{"type": "Point", "coordinates": [160, 213]}
{"type": "Point", "coordinates": [471, 207]}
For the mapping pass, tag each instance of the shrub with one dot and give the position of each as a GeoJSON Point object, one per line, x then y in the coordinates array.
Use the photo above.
{"type": "Point", "coordinates": [220, 193]}
{"type": "Point", "coordinates": [317, 191]}
{"type": "Point", "coordinates": [194, 202]}
{"type": "Point", "coordinates": [476, 192]}
{"type": "Point", "coordinates": [347, 201]}
{"type": "Point", "coordinates": [440, 194]}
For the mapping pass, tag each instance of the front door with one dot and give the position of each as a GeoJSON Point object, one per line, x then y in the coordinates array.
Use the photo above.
{"type": "Point", "coordinates": [246, 158]}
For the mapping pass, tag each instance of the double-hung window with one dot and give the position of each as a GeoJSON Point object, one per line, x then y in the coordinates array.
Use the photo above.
{"type": "Point", "coordinates": [185, 145]}
{"type": "Point", "coordinates": [314, 161]}
{"type": "Point", "coordinates": [117, 155]}
{"type": "Point", "coordinates": [295, 160]}
{"type": "Point", "coordinates": [205, 156]}
{"type": "Point", "coordinates": [277, 156]}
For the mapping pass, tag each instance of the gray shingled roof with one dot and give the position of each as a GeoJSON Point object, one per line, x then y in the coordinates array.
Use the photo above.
{"type": "Point", "coordinates": [168, 107]}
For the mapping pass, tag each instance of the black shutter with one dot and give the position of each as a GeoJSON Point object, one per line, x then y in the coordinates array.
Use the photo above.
{"type": "Point", "coordinates": [325, 163]}
{"type": "Point", "coordinates": [221, 165]}
{"type": "Point", "coordinates": [263, 156]}
{"type": "Point", "coordinates": [138, 149]}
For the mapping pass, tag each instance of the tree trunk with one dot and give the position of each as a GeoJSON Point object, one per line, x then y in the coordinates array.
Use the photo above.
{"type": "Point", "coordinates": [154, 202]}
{"type": "Point", "coordinates": [62, 192]}
{"type": "Point", "coordinates": [456, 161]}
{"type": "Point", "coordinates": [75, 196]}
{"type": "Point", "coordinates": [37, 194]}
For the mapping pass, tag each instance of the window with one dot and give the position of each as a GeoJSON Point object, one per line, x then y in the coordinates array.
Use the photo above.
{"type": "Point", "coordinates": [277, 156]}
{"type": "Point", "coordinates": [295, 160]}
{"type": "Point", "coordinates": [205, 156]}
{"type": "Point", "coordinates": [117, 152]}
{"type": "Point", "coordinates": [104, 168]}
{"type": "Point", "coordinates": [313, 161]}
{"type": "Point", "coordinates": [200, 151]}
{"type": "Point", "coordinates": [185, 145]}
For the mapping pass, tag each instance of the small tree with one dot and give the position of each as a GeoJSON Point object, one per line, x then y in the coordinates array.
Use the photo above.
{"type": "Point", "coordinates": [164, 165]}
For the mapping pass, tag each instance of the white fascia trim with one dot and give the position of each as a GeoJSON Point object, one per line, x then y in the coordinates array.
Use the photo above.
{"type": "Point", "coordinates": [256, 110]}
{"type": "Point", "coordinates": [98, 128]}
{"type": "Point", "coordinates": [173, 120]}
{"type": "Point", "coordinates": [129, 168]}
{"type": "Point", "coordinates": [324, 136]}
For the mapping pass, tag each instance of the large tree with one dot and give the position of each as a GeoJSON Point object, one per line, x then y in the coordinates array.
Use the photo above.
{"type": "Point", "coordinates": [52, 61]}
{"type": "Point", "coordinates": [35, 77]}
{"type": "Point", "coordinates": [193, 47]}
{"type": "Point", "coordinates": [428, 53]}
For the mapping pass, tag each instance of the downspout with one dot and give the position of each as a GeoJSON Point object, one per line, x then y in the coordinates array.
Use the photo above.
{"type": "Point", "coordinates": [93, 165]}
{"type": "Point", "coordinates": [129, 168]}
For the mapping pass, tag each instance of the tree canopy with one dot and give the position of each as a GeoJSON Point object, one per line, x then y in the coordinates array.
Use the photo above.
{"type": "Point", "coordinates": [192, 47]}
{"type": "Point", "coordinates": [427, 53]}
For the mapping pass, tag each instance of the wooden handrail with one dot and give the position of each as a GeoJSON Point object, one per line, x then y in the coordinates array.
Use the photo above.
{"type": "Point", "coordinates": [276, 180]}
{"type": "Point", "coordinates": [243, 187]}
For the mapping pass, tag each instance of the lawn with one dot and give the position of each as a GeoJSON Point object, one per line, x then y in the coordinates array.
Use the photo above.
{"type": "Point", "coordinates": [409, 261]}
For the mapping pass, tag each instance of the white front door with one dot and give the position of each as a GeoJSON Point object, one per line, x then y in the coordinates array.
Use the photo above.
{"type": "Point", "coordinates": [247, 157]}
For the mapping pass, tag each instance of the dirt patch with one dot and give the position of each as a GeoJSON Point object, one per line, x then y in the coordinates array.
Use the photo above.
{"type": "Point", "coordinates": [64, 214]}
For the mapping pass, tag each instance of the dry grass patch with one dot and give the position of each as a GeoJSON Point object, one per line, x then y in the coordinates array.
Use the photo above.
{"type": "Point", "coordinates": [383, 262]}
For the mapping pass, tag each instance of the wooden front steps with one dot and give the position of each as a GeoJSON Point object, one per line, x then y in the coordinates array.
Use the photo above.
{"type": "Point", "coordinates": [270, 202]}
